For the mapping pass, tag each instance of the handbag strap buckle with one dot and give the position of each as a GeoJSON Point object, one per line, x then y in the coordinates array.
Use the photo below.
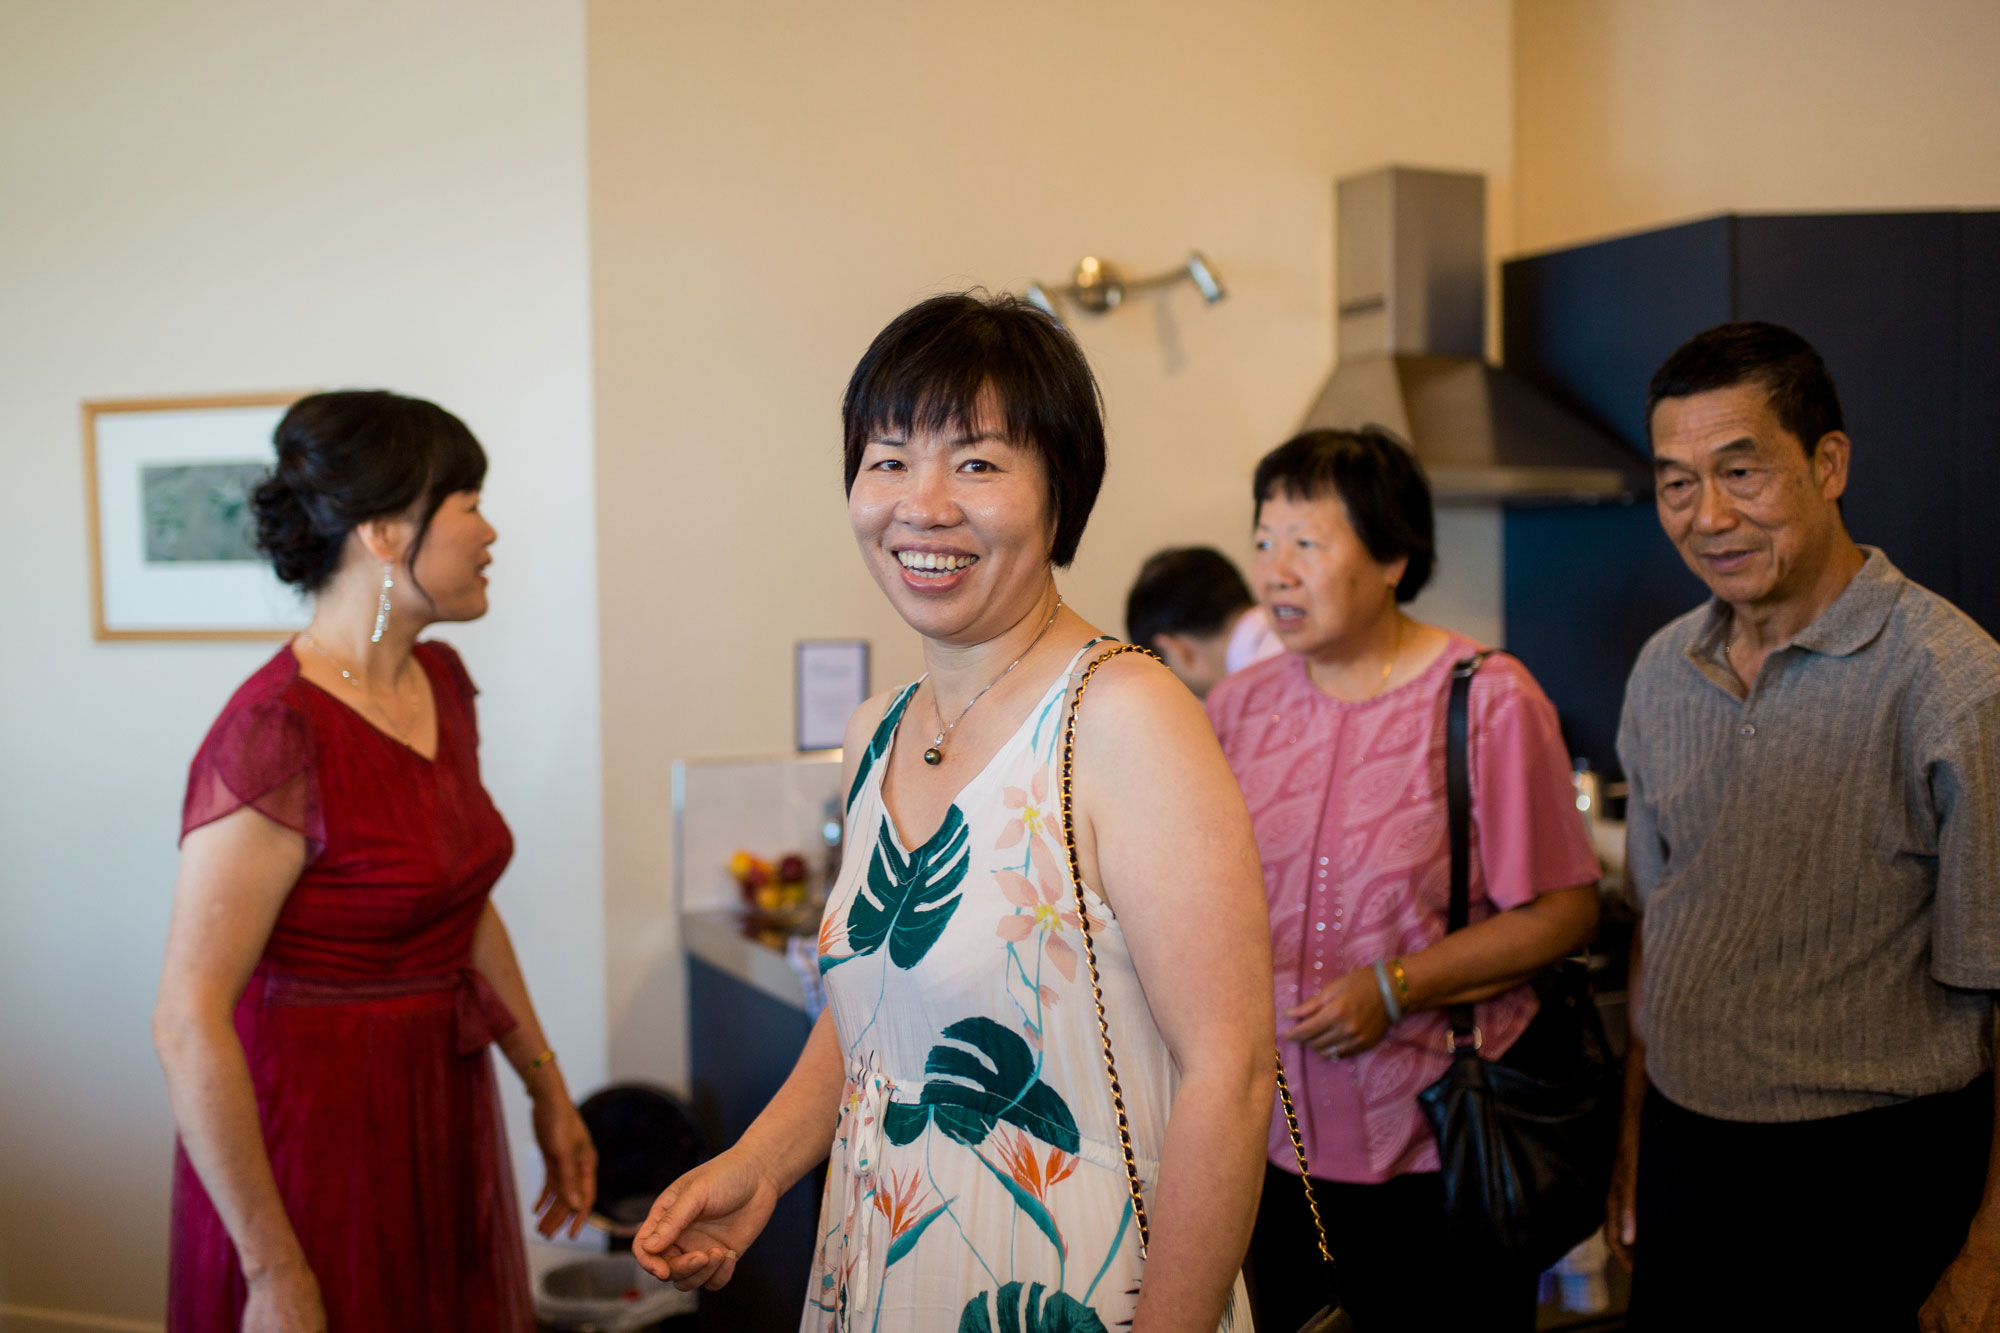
{"type": "Point", "coordinates": [1474, 1040]}
{"type": "Point", "coordinates": [1467, 667]}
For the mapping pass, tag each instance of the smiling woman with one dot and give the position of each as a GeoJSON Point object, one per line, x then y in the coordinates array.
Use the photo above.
{"type": "Point", "coordinates": [995, 372]}
{"type": "Point", "coordinates": [957, 1076]}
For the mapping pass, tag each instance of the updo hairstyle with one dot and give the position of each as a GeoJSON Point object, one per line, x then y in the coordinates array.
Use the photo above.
{"type": "Point", "coordinates": [348, 457]}
{"type": "Point", "coordinates": [927, 369]}
{"type": "Point", "coordinates": [1377, 480]}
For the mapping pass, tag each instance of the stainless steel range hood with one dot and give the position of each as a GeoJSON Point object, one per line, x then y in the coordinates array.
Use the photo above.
{"type": "Point", "coordinates": [1410, 331]}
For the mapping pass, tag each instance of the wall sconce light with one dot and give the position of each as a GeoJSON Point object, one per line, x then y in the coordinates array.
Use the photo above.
{"type": "Point", "coordinates": [1098, 288]}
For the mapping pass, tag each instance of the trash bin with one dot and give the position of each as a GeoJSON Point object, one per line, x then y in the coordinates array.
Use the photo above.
{"type": "Point", "coordinates": [645, 1139]}
{"type": "Point", "coordinates": [606, 1293]}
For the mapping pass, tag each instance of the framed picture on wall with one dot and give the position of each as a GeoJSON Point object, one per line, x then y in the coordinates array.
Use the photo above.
{"type": "Point", "coordinates": [173, 551]}
{"type": "Point", "coordinates": [831, 681]}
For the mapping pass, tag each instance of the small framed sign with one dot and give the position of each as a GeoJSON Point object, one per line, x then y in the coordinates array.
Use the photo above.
{"type": "Point", "coordinates": [832, 683]}
{"type": "Point", "coordinates": [173, 541]}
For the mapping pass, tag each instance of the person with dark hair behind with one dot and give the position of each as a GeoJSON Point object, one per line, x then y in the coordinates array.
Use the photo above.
{"type": "Point", "coordinates": [1191, 607]}
{"type": "Point", "coordinates": [1813, 843]}
{"type": "Point", "coordinates": [1339, 747]}
{"type": "Point", "coordinates": [979, 1164]}
{"type": "Point", "coordinates": [334, 969]}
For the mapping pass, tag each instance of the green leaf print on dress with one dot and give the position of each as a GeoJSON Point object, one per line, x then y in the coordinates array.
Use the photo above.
{"type": "Point", "coordinates": [1025, 1200]}
{"type": "Point", "coordinates": [1061, 1313]}
{"type": "Point", "coordinates": [908, 900]}
{"type": "Point", "coordinates": [967, 1095]}
{"type": "Point", "coordinates": [878, 744]}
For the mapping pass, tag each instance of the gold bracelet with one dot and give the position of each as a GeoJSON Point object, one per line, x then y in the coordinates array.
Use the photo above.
{"type": "Point", "coordinates": [545, 1057]}
{"type": "Point", "coordinates": [1402, 981]}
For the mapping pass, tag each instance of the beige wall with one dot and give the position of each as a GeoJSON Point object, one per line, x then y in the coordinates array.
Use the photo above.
{"type": "Point", "coordinates": [1633, 113]}
{"type": "Point", "coordinates": [224, 195]}
{"type": "Point", "coordinates": [228, 195]}
{"type": "Point", "coordinates": [771, 182]}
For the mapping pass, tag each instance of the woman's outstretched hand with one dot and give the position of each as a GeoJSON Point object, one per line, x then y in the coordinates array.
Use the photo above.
{"type": "Point", "coordinates": [701, 1224]}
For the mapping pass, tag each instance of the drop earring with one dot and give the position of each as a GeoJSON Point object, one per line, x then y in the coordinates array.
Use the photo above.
{"type": "Point", "coordinates": [382, 609]}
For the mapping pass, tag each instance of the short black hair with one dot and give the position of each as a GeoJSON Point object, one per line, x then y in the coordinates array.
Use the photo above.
{"type": "Point", "coordinates": [1184, 590]}
{"type": "Point", "coordinates": [1794, 378]}
{"type": "Point", "coordinates": [1387, 497]}
{"type": "Point", "coordinates": [350, 456]}
{"type": "Point", "coordinates": [927, 369]}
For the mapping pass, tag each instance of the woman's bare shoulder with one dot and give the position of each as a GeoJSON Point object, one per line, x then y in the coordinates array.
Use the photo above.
{"type": "Point", "coordinates": [863, 721]}
{"type": "Point", "coordinates": [1134, 696]}
{"type": "Point", "coordinates": [868, 731]}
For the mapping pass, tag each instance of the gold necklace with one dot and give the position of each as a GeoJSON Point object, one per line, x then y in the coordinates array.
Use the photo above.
{"type": "Point", "coordinates": [935, 754]}
{"type": "Point", "coordinates": [398, 732]}
{"type": "Point", "coordinates": [1390, 665]}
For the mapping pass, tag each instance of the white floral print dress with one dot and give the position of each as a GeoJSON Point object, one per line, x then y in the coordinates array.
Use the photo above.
{"type": "Point", "coordinates": [976, 1182]}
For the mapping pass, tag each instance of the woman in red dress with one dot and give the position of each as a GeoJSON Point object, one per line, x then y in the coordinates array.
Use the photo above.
{"type": "Point", "coordinates": [334, 969]}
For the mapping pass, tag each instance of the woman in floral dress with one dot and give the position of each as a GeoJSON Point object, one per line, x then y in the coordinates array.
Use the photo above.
{"type": "Point", "coordinates": [957, 1079]}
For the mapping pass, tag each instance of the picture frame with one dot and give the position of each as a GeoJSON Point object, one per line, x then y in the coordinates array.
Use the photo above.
{"type": "Point", "coordinates": [172, 536]}
{"type": "Point", "coordinates": [830, 682]}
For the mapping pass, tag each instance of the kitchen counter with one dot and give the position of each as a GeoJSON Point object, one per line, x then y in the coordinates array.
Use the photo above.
{"type": "Point", "coordinates": [715, 936]}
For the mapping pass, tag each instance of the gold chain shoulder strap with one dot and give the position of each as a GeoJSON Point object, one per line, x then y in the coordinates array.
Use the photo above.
{"type": "Point", "coordinates": [1066, 788]}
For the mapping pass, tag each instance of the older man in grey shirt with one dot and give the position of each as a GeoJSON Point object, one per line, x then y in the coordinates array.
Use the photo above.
{"type": "Point", "coordinates": [1814, 842]}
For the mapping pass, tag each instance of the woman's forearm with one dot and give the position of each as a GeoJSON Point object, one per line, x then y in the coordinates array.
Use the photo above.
{"type": "Point", "coordinates": [1502, 951]}
{"type": "Point", "coordinates": [1211, 1169]}
{"type": "Point", "coordinates": [794, 1133]}
{"type": "Point", "coordinates": [235, 876]}
{"type": "Point", "coordinates": [215, 1107]}
{"type": "Point", "coordinates": [493, 958]}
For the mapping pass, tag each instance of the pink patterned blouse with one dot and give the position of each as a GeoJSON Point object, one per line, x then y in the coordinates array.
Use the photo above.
{"type": "Point", "coordinates": [1348, 802]}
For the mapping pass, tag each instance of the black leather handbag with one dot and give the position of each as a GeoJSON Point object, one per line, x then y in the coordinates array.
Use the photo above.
{"type": "Point", "coordinates": [1525, 1142]}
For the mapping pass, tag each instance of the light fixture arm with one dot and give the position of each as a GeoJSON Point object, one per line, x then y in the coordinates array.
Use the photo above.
{"type": "Point", "coordinates": [1098, 288]}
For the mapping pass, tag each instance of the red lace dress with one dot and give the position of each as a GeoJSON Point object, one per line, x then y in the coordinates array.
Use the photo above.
{"type": "Point", "coordinates": [364, 1024]}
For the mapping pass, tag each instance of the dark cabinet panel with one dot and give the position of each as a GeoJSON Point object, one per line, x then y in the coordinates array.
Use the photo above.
{"type": "Point", "coordinates": [742, 1046]}
{"type": "Point", "coordinates": [1878, 296]}
{"type": "Point", "coordinates": [1585, 588]}
{"type": "Point", "coordinates": [1590, 324]}
{"type": "Point", "coordinates": [1979, 418]}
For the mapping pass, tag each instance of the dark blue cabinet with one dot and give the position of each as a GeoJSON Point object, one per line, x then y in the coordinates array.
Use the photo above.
{"type": "Point", "coordinates": [742, 1046]}
{"type": "Point", "coordinates": [1906, 310]}
{"type": "Point", "coordinates": [1979, 418]}
{"type": "Point", "coordinates": [1878, 296]}
{"type": "Point", "coordinates": [1590, 324]}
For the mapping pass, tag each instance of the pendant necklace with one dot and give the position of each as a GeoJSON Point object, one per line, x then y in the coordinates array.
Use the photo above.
{"type": "Point", "coordinates": [1390, 665]}
{"type": "Point", "coordinates": [935, 754]}
{"type": "Point", "coordinates": [348, 676]}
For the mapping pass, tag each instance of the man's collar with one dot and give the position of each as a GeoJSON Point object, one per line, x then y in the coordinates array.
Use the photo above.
{"type": "Point", "coordinates": [1848, 624]}
{"type": "Point", "coordinates": [1855, 617]}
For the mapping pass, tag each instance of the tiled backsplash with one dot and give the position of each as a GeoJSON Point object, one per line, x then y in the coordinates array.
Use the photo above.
{"type": "Point", "coordinates": [769, 807]}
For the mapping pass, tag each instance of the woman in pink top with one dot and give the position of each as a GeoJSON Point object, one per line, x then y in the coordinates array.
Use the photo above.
{"type": "Point", "coordinates": [1339, 747]}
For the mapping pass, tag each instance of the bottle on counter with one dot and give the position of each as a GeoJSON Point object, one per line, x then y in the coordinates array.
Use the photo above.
{"type": "Point", "coordinates": [832, 831]}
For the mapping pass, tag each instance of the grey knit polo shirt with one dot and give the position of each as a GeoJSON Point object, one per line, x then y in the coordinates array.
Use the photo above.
{"type": "Point", "coordinates": [1818, 860]}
